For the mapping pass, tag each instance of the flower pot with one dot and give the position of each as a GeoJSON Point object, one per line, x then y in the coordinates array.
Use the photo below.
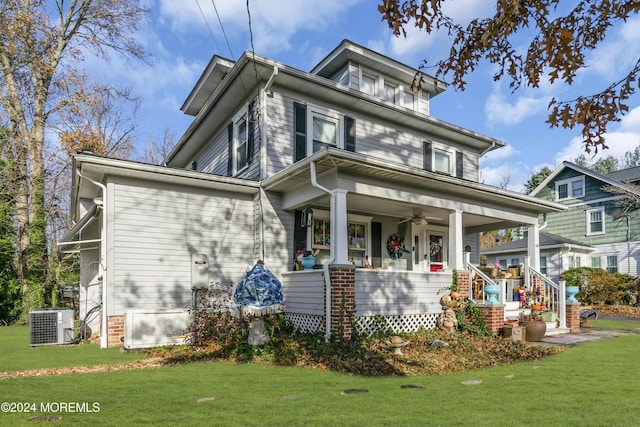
{"type": "Point", "coordinates": [571, 293]}
{"type": "Point", "coordinates": [492, 291]}
{"type": "Point", "coordinates": [308, 262]}
{"type": "Point", "coordinates": [535, 330]}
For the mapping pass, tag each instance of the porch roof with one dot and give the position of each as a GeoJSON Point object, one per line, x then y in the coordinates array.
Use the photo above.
{"type": "Point", "coordinates": [547, 241]}
{"type": "Point", "coordinates": [487, 199]}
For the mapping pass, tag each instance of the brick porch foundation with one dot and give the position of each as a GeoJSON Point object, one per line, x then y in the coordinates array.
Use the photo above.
{"type": "Point", "coordinates": [115, 329]}
{"type": "Point", "coordinates": [493, 315]}
{"type": "Point", "coordinates": [573, 316]}
{"type": "Point", "coordinates": [343, 300]}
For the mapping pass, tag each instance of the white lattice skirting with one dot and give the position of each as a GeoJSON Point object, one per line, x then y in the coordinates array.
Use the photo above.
{"type": "Point", "coordinates": [306, 322]}
{"type": "Point", "coordinates": [368, 325]}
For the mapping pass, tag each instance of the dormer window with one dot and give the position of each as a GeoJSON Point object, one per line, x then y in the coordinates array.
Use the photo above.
{"type": "Point", "coordinates": [572, 188]}
{"type": "Point", "coordinates": [368, 84]}
{"type": "Point", "coordinates": [389, 93]}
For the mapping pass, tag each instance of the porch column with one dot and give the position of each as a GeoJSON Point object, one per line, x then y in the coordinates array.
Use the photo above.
{"type": "Point", "coordinates": [339, 233]}
{"type": "Point", "coordinates": [456, 260]}
{"type": "Point", "coordinates": [533, 246]}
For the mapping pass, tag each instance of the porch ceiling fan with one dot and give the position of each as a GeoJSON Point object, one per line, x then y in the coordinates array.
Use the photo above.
{"type": "Point", "coordinates": [418, 218]}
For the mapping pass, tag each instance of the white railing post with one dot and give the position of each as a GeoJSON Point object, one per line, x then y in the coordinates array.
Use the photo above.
{"type": "Point", "coordinates": [562, 303]}
{"type": "Point", "coordinates": [503, 291]}
{"type": "Point", "coordinates": [527, 275]}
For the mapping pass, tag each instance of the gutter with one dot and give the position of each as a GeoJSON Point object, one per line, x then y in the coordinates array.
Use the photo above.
{"type": "Point", "coordinates": [102, 264]}
{"type": "Point", "coordinates": [325, 265]}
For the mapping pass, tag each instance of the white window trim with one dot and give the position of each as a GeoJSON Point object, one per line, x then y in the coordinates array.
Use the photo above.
{"type": "Point", "coordinates": [449, 153]}
{"type": "Point", "coordinates": [325, 113]}
{"type": "Point", "coordinates": [351, 219]}
{"type": "Point", "coordinates": [244, 111]}
{"type": "Point", "coordinates": [568, 182]}
{"type": "Point", "coordinates": [588, 221]}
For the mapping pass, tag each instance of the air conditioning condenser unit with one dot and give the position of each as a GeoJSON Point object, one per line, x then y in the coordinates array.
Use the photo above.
{"type": "Point", "coordinates": [51, 326]}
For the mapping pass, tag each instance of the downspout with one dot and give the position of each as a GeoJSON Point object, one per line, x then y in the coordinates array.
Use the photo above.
{"type": "Point", "coordinates": [263, 153]}
{"type": "Point", "coordinates": [102, 263]}
{"type": "Point", "coordinates": [325, 265]}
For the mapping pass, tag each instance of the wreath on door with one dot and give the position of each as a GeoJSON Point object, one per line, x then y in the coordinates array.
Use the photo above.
{"type": "Point", "coordinates": [395, 246]}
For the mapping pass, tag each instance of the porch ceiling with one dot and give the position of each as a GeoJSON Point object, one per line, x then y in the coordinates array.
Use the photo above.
{"type": "Point", "coordinates": [369, 171]}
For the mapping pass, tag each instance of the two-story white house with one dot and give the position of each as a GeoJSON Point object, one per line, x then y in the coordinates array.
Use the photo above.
{"type": "Point", "coordinates": [390, 186]}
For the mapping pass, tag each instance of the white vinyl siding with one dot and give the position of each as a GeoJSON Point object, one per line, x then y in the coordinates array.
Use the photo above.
{"type": "Point", "coordinates": [157, 230]}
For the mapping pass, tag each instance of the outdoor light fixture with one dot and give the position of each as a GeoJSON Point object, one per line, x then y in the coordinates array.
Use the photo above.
{"type": "Point", "coordinates": [307, 217]}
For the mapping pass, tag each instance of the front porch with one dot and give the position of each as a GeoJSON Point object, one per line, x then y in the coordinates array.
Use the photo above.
{"type": "Point", "coordinates": [405, 301]}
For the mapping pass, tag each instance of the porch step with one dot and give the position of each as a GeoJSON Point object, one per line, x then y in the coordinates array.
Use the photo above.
{"type": "Point", "coordinates": [552, 330]}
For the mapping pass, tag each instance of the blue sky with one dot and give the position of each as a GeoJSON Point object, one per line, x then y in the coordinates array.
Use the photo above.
{"type": "Point", "coordinates": [182, 36]}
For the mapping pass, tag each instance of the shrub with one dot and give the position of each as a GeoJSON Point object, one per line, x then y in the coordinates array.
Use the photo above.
{"type": "Point", "coordinates": [599, 287]}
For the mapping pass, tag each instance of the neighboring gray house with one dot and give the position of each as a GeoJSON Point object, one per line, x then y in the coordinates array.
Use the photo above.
{"type": "Point", "coordinates": [592, 232]}
{"type": "Point", "coordinates": [351, 140]}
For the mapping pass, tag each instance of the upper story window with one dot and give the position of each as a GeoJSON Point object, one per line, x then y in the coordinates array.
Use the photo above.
{"type": "Point", "coordinates": [241, 143]}
{"type": "Point", "coordinates": [368, 84]}
{"type": "Point", "coordinates": [389, 93]}
{"type": "Point", "coordinates": [316, 128]}
{"type": "Point", "coordinates": [572, 188]}
{"type": "Point", "coordinates": [437, 158]}
{"type": "Point", "coordinates": [409, 100]}
{"type": "Point", "coordinates": [241, 140]}
{"type": "Point", "coordinates": [442, 161]}
{"type": "Point", "coordinates": [595, 221]}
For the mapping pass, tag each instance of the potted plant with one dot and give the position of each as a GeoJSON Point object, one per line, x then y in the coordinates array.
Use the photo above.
{"type": "Point", "coordinates": [536, 327]}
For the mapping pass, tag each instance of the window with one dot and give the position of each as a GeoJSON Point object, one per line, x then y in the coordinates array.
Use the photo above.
{"type": "Point", "coordinates": [316, 128]}
{"type": "Point", "coordinates": [503, 264]}
{"type": "Point", "coordinates": [389, 93]}
{"type": "Point", "coordinates": [612, 264]}
{"type": "Point", "coordinates": [570, 188]}
{"type": "Point", "coordinates": [408, 100]}
{"type": "Point", "coordinates": [515, 261]}
{"type": "Point", "coordinates": [574, 261]}
{"type": "Point", "coordinates": [241, 140]}
{"type": "Point", "coordinates": [325, 131]}
{"type": "Point", "coordinates": [241, 143]}
{"type": "Point", "coordinates": [595, 221]}
{"type": "Point", "coordinates": [596, 262]}
{"type": "Point", "coordinates": [543, 265]}
{"type": "Point", "coordinates": [442, 161]}
{"type": "Point", "coordinates": [368, 85]}
{"type": "Point", "coordinates": [321, 233]}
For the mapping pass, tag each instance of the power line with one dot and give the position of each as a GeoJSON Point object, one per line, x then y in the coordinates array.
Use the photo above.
{"type": "Point", "coordinates": [223, 32]}
{"type": "Point", "coordinates": [209, 27]}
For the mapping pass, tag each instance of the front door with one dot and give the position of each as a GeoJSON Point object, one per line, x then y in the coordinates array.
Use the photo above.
{"type": "Point", "coordinates": [437, 250]}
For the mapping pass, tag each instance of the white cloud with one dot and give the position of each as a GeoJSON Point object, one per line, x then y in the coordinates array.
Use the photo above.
{"type": "Point", "coordinates": [500, 154]}
{"type": "Point", "coordinates": [619, 142]}
{"type": "Point", "coordinates": [501, 111]}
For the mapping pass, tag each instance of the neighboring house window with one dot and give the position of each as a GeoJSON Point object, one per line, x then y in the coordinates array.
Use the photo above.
{"type": "Point", "coordinates": [503, 264]}
{"type": "Point", "coordinates": [595, 221]}
{"type": "Point", "coordinates": [596, 262]}
{"type": "Point", "coordinates": [574, 261]}
{"type": "Point", "coordinates": [570, 188]}
{"type": "Point", "coordinates": [316, 128]}
{"type": "Point", "coordinates": [515, 261]}
{"type": "Point", "coordinates": [543, 265]}
{"type": "Point", "coordinates": [368, 85]}
{"type": "Point", "coordinates": [612, 264]}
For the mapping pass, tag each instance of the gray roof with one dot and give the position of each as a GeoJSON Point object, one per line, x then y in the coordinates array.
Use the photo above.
{"type": "Point", "coordinates": [547, 240]}
{"type": "Point", "coordinates": [626, 175]}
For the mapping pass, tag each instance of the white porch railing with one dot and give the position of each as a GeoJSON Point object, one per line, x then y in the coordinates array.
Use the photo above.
{"type": "Point", "coordinates": [552, 293]}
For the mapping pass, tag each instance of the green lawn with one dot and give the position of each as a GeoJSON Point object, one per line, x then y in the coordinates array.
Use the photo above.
{"type": "Point", "coordinates": [591, 384]}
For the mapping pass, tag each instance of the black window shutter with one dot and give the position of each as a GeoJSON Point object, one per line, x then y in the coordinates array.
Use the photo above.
{"type": "Point", "coordinates": [350, 134]}
{"type": "Point", "coordinates": [230, 160]}
{"type": "Point", "coordinates": [376, 244]}
{"type": "Point", "coordinates": [300, 131]}
{"type": "Point", "coordinates": [426, 153]}
{"type": "Point", "coordinates": [459, 165]}
{"type": "Point", "coordinates": [250, 132]}
{"type": "Point", "coordinates": [299, 233]}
